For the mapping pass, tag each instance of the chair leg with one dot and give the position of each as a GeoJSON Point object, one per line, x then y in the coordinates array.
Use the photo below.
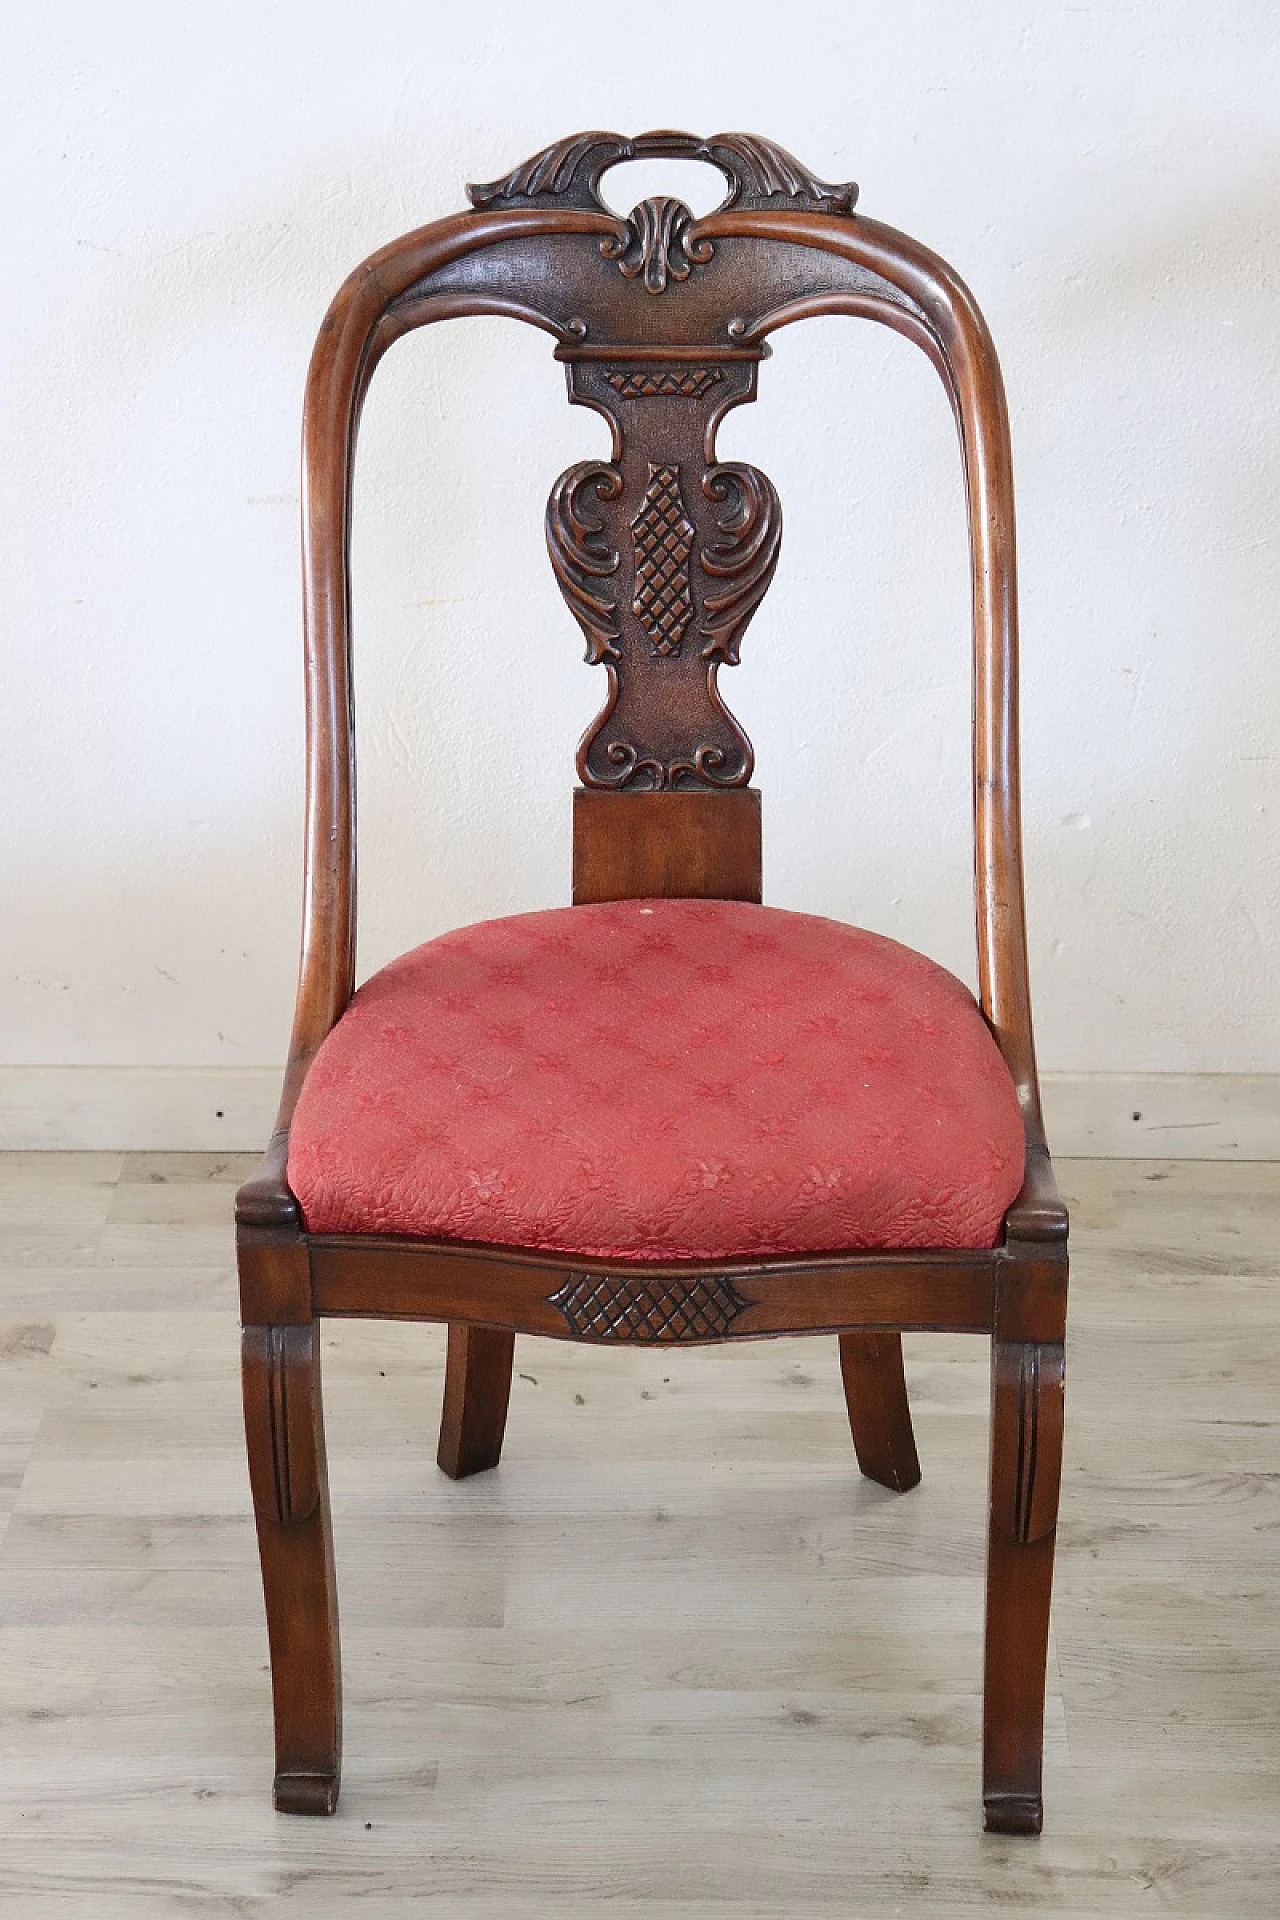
{"type": "Point", "coordinates": [284, 1427]}
{"type": "Point", "coordinates": [875, 1392]}
{"type": "Point", "coordinates": [1026, 1467]}
{"type": "Point", "coordinates": [477, 1387]}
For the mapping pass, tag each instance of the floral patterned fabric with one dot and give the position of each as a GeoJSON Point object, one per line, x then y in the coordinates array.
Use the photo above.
{"type": "Point", "coordinates": [658, 1080]}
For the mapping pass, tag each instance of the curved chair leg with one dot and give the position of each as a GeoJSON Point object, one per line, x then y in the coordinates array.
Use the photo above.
{"type": "Point", "coordinates": [1026, 1467]}
{"type": "Point", "coordinates": [477, 1387]}
{"type": "Point", "coordinates": [875, 1392]}
{"type": "Point", "coordinates": [284, 1426]}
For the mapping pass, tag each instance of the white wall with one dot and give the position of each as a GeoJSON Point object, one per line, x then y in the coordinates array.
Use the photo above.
{"type": "Point", "coordinates": [186, 186]}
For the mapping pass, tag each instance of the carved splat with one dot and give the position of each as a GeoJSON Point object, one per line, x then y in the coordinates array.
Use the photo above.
{"type": "Point", "coordinates": [655, 1309]}
{"type": "Point", "coordinates": [661, 320]}
{"type": "Point", "coordinates": [663, 555]}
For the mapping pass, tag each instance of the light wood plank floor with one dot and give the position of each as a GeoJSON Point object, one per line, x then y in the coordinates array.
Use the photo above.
{"type": "Point", "coordinates": [674, 1658]}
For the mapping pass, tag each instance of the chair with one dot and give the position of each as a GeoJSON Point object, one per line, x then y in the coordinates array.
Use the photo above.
{"type": "Point", "coordinates": [823, 1131]}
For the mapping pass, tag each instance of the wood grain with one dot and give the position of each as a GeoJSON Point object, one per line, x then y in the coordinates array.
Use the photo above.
{"type": "Point", "coordinates": [661, 846]}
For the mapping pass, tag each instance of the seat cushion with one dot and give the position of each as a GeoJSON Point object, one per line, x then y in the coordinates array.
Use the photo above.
{"type": "Point", "coordinates": [658, 1080]}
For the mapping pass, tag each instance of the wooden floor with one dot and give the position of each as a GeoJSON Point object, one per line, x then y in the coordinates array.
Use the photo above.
{"type": "Point", "coordinates": [674, 1658]}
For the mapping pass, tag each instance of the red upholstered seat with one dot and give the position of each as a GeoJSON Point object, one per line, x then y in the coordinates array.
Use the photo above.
{"type": "Point", "coordinates": [657, 1080]}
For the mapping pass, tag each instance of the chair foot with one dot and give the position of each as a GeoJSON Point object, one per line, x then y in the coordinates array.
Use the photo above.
{"type": "Point", "coordinates": [875, 1392]}
{"type": "Point", "coordinates": [305, 1792]}
{"type": "Point", "coordinates": [477, 1389]}
{"type": "Point", "coordinates": [1026, 1465]}
{"type": "Point", "coordinates": [1012, 1812]}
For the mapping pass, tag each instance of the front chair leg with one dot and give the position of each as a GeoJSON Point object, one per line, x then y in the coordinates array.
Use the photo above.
{"type": "Point", "coordinates": [875, 1392]}
{"type": "Point", "coordinates": [284, 1426]}
{"type": "Point", "coordinates": [1026, 1468]}
{"type": "Point", "coordinates": [477, 1388]}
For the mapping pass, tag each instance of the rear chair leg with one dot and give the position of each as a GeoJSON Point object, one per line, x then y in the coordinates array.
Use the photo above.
{"type": "Point", "coordinates": [477, 1387]}
{"type": "Point", "coordinates": [1026, 1468]}
{"type": "Point", "coordinates": [875, 1391]}
{"type": "Point", "coordinates": [284, 1426]}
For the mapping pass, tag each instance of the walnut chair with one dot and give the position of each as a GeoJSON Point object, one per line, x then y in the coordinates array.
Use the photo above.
{"type": "Point", "coordinates": [824, 1132]}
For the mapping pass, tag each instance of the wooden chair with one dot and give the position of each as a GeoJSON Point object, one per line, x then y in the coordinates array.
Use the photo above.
{"type": "Point", "coordinates": [495, 1132]}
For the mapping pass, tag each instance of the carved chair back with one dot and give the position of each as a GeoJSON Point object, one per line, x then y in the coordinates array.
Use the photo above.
{"type": "Point", "coordinates": [663, 552]}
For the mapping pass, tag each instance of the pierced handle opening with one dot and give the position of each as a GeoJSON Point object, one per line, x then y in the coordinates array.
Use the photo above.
{"type": "Point", "coordinates": [759, 173]}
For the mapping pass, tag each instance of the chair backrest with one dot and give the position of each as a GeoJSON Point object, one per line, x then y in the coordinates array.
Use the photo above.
{"type": "Point", "coordinates": [662, 552]}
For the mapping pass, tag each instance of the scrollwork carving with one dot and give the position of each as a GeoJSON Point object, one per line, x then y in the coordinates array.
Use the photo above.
{"type": "Point", "coordinates": [713, 766]}
{"type": "Point", "coordinates": [656, 244]}
{"type": "Point", "coordinates": [582, 557]}
{"type": "Point", "coordinates": [743, 559]}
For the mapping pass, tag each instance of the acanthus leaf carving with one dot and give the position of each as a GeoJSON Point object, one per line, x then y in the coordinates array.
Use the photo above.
{"type": "Point", "coordinates": [743, 559]}
{"type": "Point", "coordinates": [760, 173]}
{"type": "Point", "coordinates": [582, 557]}
{"type": "Point", "coordinates": [567, 171]}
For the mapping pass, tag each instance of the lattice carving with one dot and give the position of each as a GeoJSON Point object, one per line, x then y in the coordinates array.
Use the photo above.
{"type": "Point", "coordinates": [663, 536]}
{"type": "Point", "coordinates": [671, 383]}
{"type": "Point", "coordinates": [657, 548]}
{"type": "Point", "coordinates": [663, 1308]}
